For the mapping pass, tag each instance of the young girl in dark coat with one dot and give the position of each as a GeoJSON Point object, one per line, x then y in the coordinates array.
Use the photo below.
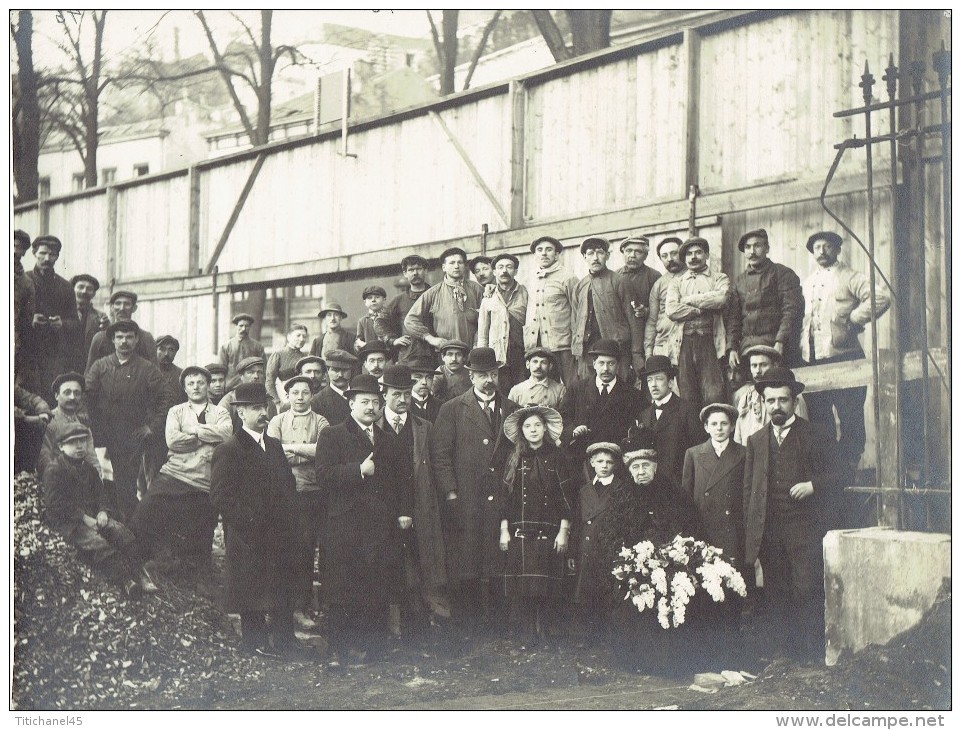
{"type": "Point", "coordinates": [536, 517]}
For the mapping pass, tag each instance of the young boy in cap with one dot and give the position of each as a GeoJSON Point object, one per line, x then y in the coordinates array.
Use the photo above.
{"type": "Point", "coordinates": [77, 507]}
{"type": "Point", "coordinates": [375, 326]}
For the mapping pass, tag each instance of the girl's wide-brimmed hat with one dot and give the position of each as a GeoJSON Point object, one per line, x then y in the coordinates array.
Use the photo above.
{"type": "Point", "coordinates": [555, 424]}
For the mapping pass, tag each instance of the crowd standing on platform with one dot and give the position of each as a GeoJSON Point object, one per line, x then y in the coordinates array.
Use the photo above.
{"type": "Point", "coordinates": [471, 456]}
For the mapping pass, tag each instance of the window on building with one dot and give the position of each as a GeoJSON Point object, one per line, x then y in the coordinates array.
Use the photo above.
{"type": "Point", "coordinates": [142, 169]}
{"type": "Point", "coordinates": [43, 189]}
{"type": "Point", "coordinates": [108, 175]}
{"type": "Point", "coordinates": [76, 183]}
{"type": "Point", "coordinates": [409, 60]}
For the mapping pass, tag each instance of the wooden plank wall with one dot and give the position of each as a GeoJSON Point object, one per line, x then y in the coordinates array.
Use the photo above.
{"type": "Point", "coordinates": [152, 229]}
{"type": "Point", "coordinates": [81, 224]}
{"type": "Point", "coordinates": [28, 219]}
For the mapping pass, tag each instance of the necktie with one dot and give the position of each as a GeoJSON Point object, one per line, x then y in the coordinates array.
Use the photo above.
{"type": "Point", "coordinates": [262, 444]}
{"type": "Point", "coordinates": [778, 434]}
{"type": "Point", "coordinates": [202, 417]}
{"type": "Point", "coordinates": [604, 390]}
{"type": "Point", "coordinates": [397, 424]}
{"type": "Point", "coordinates": [370, 434]}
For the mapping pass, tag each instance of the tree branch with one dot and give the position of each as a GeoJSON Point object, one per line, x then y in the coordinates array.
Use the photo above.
{"type": "Point", "coordinates": [552, 35]}
{"type": "Point", "coordinates": [478, 52]}
{"type": "Point", "coordinates": [222, 68]}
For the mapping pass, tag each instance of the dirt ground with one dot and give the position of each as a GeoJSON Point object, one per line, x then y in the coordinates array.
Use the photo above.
{"type": "Point", "coordinates": [81, 645]}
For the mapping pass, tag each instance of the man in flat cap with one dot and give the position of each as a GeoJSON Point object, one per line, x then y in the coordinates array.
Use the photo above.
{"type": "Point", "coordinates": [68, 392]}
{"type": "Point", "coordinates": [376, 325]}
{"type": "Point", "coordinates": [751, 414]}
{"type": "Point", "coordinates": [791, 485]}
{"type": "Point", "coordinates": [85, 287]}
{"type": "Point", "coordinates": [176, 515]}
{"type": "Point", "coordinates": [482, 267]}
{"type": "Point", "coordinates": [837, 309]}
{"type": "Point", "coordinates": [468, 451]}
{"type": "Point", "coordinates": [549, 314]}
{"type": "Point", "coordinates": [602, 309]}
{"type": "Point", "coordinates": [600, 408]}
{"type": "Point", "coordinates": [373, 358]}
{"type": "Point", "coordinates": [218, 381]}
{"type": "Point", "coordinates": [123, 304]}
{"type": "Point", "coordinates": [639, 278]}
{"type": "Point", "coordinates": [697, 300]}
{"type": "Point", "coordinates": [167, 348]}
{"type": "Point", "coordinates": [331, 402]}
{"type": "Point", "coordinates": [423, 403]}
{"type": "Point", "coordinates": [542, 388]}
{"type": "Point", "coordinates": [298, 429]}
{"type": "Point", "coordinates": [334, 335]}
{"type": "Point", "coordinates": [253, 488]}
{"type": "Point", "coordinates": [500, 321]}
{"type": "Point", "coordinates": [249, 370]}
{"type": "Point", "coordinates": [240, 347]}
{"type": "Point", "coordinates": [767, 306]}
{"type": "Point", "coordinates": [125, 395]}
{"type": "Point", "coordinates": [448, 310]}
{"type": "Point", "coordinates": [454, 378]}
{"type": "Point", "coordinates": [659, 328]}
{"type": "Point", "coordinates": [282, 363]}
{"type": "Point", "coordinates": [55, 324]}
{"type": "Point", "coordinates": [357, 465]}
{"type": "Point", "coordinates": [409, 348]}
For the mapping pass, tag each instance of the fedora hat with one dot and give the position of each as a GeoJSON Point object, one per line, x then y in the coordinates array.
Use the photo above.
{"type": "Point", "coordinates": [332, 307]}
{"type": "Point", "coordinates": [250, 394]}
{"type": "Point", "coordinates": [370, 348]}
{"type": "Point", "coordinates": [397, 376]}
{"type": "Point", "coordinates": [658, 364]}
{"type": "Point", "coordinates": [363, 384]}
{"type": "Point", "coordinates": [555, 424]}
{"type": "Point", "coordinates": [777, 378]}
{"type": "Point", "coordinates": [482, 360]}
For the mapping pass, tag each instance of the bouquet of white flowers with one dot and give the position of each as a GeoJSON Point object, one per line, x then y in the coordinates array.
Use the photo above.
{"type": "Point", "coordinates": [669, 575]}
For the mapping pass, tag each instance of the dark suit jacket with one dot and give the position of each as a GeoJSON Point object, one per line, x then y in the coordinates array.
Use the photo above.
{"type": "Point", "coordinates": [331, 405]}
{"type": "Point", "coordinates": [255, 491]}
{"type": "Point", "coordinates": [345, 342]}
{"type": "Point", "coordinates": [607, 420]}
{"type": "Point", "coordinates": [716, 486]}
{"type": "Point", "coordinates": [429, 413]}
{"type": "Point", "coordinates": [677, 430]}
{"type": "Point", "coordinates": [818, 457]}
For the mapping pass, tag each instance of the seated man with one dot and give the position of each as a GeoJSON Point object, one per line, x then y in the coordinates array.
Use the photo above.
{"type": "Point", "coordinates": [76, 507]}
{"type": "Point", "coordinates": [68, 391]}
{"type": "Point", "coordinates": [31, 414]}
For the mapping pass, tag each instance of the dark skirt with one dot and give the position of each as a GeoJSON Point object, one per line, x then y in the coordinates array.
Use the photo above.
{"type": "Point", "coordinates": [532, 567]}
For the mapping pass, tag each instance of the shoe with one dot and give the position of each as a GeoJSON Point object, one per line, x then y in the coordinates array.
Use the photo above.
{"type": "Point", "coordinates": [304, 621]}
{"type": "Point", "coordinates": [146, 582]}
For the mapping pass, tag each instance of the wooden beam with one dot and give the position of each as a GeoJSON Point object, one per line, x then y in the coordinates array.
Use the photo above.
{"type": "Point", "coordinates": [113, 212]}
{"type": "Point", "coordinates": [692, 47]}
{"type": "Point", "coordinates": [193, 221]}
{"type": "Point", "coordinates": [889, 437]}
{"type": "Point", "coordinates": [475, 173]}
{"type": "Point", "coordinates": [518, 95]}
{"type": "Point", "coordinates": [235, 213]}
{"type": "Point", "coordinates": [858, 372]}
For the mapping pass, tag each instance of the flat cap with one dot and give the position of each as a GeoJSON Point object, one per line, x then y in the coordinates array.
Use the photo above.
{"type": "Point", "coordinates": [558, 246]}
{"type": "Point", "coordinates": [730, 410]}
{"type": "Point", "coordinates": [309, 359]}
{"type": "Point", "coordinates": [85, 277]}
{"type": "Point", "coordinates": [216, 367]}
{"type": "Point", "coordinates": [50, 241]}
{"type": "Point", "coordinates": [508, 257]}
{"type": "Point", "coordinates": [291, 382]}
{"type": "Point", "coordinates": [372, 290]}
{"type": "Point", "coordinates": [757, 233]}
{"type": "Point", "coordinates": [644, 240]}
{"type": "Point", "coordinates": [74, 431]}
{"type": "Point", "coordinates": [452, 344]}
{"type": "Point", "coordinates": [168, 340]}
{"type": "Point", "coordinates": [829, 236]}
{"type": "Point", "coordinates": [593, 242]}
{"type": "Point", "coordinates": [193, 370]}
{"type": "Point", "coordinates": [472, 264]}
{"type": "Point", "coordinates": [241, 317]}
{"type": "Point", "coordinates": [123, 293]}
{"type": "Point", "coordinates": [339, 358]}
{"type": "Point", "coordinates": [249, 362]}
{"type": "Point", "coordinates": [607, 446]}
{"type": "Point", "coordinates": [690, 243]}
{"type": "Point", "coordinates": [763, 350]}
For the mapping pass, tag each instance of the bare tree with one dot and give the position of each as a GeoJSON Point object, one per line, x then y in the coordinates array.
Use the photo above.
{"type": "Point", "coordinates": [590, 31]}
{"type": "Point", "coordinates": [479, 51]}
{"type": "Point", "coordinates": [25, 111]}
{"type": "Point", "coordinates": [446, 48]}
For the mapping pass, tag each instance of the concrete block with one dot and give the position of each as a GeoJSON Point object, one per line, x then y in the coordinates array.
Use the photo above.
{"type": "Point", "coordinates": [879, 582]}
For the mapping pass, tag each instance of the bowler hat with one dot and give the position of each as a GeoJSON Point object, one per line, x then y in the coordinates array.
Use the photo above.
{"type": "Point", "coordinates": [308, 359]}
{"type": "Point", "coordinates": [74, 431]}
{"type": "Point", "coordinates": [472, 264]}
{"type": "Point", "coordinates": [332, 307]}
{"type": "Point", "coordinates": [168, 340]}
{"type": "Point", "coordinates": [370, 348]}
{"type": "Point", "coordinates": [552, 419]}
{"type": "Point", "coordinates": [588, 244]}
{"type": "Point", "coordinates": [665, 241]}
{"type": "Point", "coordinates": [50, 241]}
{"type": "Point", "coordinates": [70, 377]}
{"type": "Point", "coordinates": [85, 277]}
{"type": "Point", "coordinates": [422, 365]}
{"type": "Point", "coordinates": [452, 344]}
{"type": "Point", "coordinates": [658, 364]}
{"type": "Point", "coordinates": [730, 410]}
{"type": "Point", "coordinates": [122, 293]}
{"type": "Point", "coordinates": [607, 446]}
{"type": "Point", "coordinates": [291, 382]}
{"type": "Point", "coordinates": [634, 239]}
{"type": "Point", "coordinates": [777, 378]}
{"type": "Point", "coordinates": [216, 367]}
{"type": "Point", "coordinates": [759, 233]}
{"type": "Point", "coordinates": [249, 362]}
{"type": "Point", "coordinates": [339, 358]}
{"type": "Point", "coordinates": [558, 246]}
{"type": "Point", "coordinates": [193, 370]}
{"type": "Point", "coordinates": [611, 348]}
{"type": "Point", "coordinates": [763, 350]}
{"type": "Point", "coordinates": [371, 290]}
{"type": "Point", "coordinates": [363, 384]}
{"type": "Point", "coordinates": [397, 376]}
{"type": "Point", "coordinates": [639, 444]}
{"type": "Point", "coordinates": [509, 257]}
{"type": "Point", "coordinates": [250, 394]}
{"type": "Point", "coordinates": [122, 325]}
{"type": "Point", "coordinates": [695, 241]}
{"type": "Point", "coordinates": [829, 236]}
{"type": "Point", "coordinates": [483, 360]}
{"type": "Point", "coordinates": [241, 317]}
{"type": "Point", "coordinates": [412, 260]}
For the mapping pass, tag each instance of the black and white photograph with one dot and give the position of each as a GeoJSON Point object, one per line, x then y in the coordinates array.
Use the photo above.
{"type": "Point", "coordinates": [462, 360]}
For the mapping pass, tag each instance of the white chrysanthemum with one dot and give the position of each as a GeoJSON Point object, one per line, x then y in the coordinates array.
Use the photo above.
{"type": "Point", "coordinates": [663, 610]}
{"type": "Point", "coordinates": [659, 580]}
{"type": "Point", "coordinates": [626, 553]}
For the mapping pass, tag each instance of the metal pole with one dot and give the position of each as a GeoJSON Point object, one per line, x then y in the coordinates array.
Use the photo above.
{"type": "Point", "coordinates": [484, 230]}
{"type": "Point", "coordinates": [942, 64]}
{"type": "Point", "coordinates": [216, 308]}
{"type": "Point", "coordinates": [867, 83]}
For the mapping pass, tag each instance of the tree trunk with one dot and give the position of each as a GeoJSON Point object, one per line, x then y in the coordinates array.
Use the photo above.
{"type": "Point", "coordinates": [590, 30]}
{"type": "Point", "coordinates": [91, 112]}
{"type": "Point", "coordinates": [264, 92]}
{"type": "Point", "coordinates": [552, 35]}
{"type": "Point", "coordinates": [26, 127]}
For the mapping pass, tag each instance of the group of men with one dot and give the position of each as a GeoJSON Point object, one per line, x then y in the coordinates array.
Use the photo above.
{"type": "Point", "coordinates": [384, 447]}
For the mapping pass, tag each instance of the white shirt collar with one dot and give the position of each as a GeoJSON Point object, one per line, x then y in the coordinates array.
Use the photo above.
{"type": "Point", "coordinates": [389, 417]}
{"type": "Point", "coordinates": [719, 447]}
{"type": "Point", "coordinates": [485, 399]}
{"type": "Point", "coordinates": [600, 384]}
{"type": "Point", "coordinates": [417, 398]}
{"type": "Point", "coordinates": [258, 437]}
{"type": "Point", "coordinates": [362, 426]}
{"type": "Point", "coordinates": [604, 480]}
{"type": "Point", "coordinates": [337, 390]}
{"type": "Point", "coordinates": [663, 402]}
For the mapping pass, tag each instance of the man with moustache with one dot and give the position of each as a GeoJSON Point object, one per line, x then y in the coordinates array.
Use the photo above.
{"type": "Point", "coordinates": [468, 451]}
{"type": "Point", "coordinates": [791, 483]}
{"type": "Point", "coordinates": [125, 395]}
{"type": "Point", "coordinates": [218, 381]}
{"type": "Point", "coordinates": [659, 328]}
{"type": "Point", "coordinates": [167, 348]}
{"type": "Point", "coordinates": [751, 414]}
{"type": "Point", "coordinates": [423, 403]}
{"type": "Point", "coordinates": [249, 370]}
{"type": "Point", "coordinates": [281, 364]}
{"type": "Point", "coordinates": [85, 287]}
{"type": "Point", "coordinates": [315, 370]}
{"type": "Point", "coordinates": [123, 305]}
{"type": "Point", "coordinates": [500, 321]}
{"type": "Point", "coordinates": [639, 278]}
{"type": "Point", "coordinates": [453, 379]}
{"type": "Point", "coordinates": [837, 309]}
{"type": "Point", "coordinates": [767, 306]}
{"type": "Point", "coordinates": [253, 488]}
{"type": "Point", "coordinates": [409, 348]}
{"type": "Point", "coordinates": [482, 267]}
{"type": "Point", "coordinates": [373, 358]}
{"type": "Point", "coordinates": [334, 336]}
{"type": "Point", "coordinates": [68, 392]}
{"type": "Point", "coordinates": [239, 348]}
{"type": "Point", "coordinates": [359, 466]}
{"type": "Point", "coordinates": [448, 310]}
{"type": "Point", "coordinates": [549, 313]}
{"type": "Point", "coordinates": [601, 305]}
{"type": "Point", "coordinates": [542, 388]}
{"type": "Point", "coordinates": [331, 402]}
{"type": "Point", "coordinates": [697, 300]}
